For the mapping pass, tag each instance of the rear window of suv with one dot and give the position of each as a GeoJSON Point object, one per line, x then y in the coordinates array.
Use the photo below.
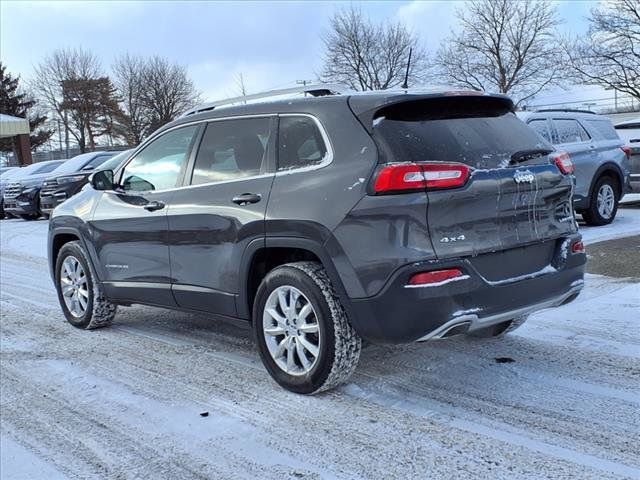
{"type": "Point", "coordinates": [602, 129]}
{"type": "Point", "coordinates": [479, 135]}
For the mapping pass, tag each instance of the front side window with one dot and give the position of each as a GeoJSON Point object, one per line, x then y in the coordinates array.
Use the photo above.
{"type": "Point", "coordinates": [541, 128]}
{"type": "Point", "coordinates": [300, 143]}
{"type": "Point", "coordinates": [159, 165]}
{"type": "Point", "coordinates": [231, 149]}
{"type": "Point", "coordinates": [570, 131]}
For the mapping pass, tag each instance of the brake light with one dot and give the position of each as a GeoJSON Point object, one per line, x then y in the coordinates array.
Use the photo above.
{"type": "Point", "coordinates": [563, 162]}
{"type": "Point", "coordinates": [403, 177]}
{"type": "Point", "coordinates": [436, 277]}
{"type": "Point", "coordinates": [627, 151]}
{"type": "Point", "coordinates": [577, 247]}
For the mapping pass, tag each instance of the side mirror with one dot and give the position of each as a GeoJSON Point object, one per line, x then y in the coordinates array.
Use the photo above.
{"type": "Point", "coordinates": [102, 180]}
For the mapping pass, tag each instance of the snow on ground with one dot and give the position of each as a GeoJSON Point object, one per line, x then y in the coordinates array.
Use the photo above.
{"type": "Point", "coordinates": [558, 398]}
{"type": "Point", "coordinates": [626, 224]}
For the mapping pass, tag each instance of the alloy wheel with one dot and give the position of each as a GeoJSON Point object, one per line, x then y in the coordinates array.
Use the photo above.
{"type": "Point", "coordinates": [74, 286]}
{"type": "Point", "coordinates": [291, 330]}
{"type": "Point", "coordinates": [606, 201]}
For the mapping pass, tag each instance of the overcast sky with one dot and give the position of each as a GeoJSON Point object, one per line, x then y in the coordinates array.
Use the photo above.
{"type": "Point", "coordinates": [271, 44]}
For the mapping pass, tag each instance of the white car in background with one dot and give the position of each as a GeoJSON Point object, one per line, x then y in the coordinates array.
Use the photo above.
{"type": "Point", "coordinates": [629, 131]}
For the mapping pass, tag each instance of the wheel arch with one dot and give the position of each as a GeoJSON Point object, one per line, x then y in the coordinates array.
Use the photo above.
{"type": "Point", "coordinates": [263, 255]}
{"type": "Point", "coordinates": [609, 169]}
{"type": "Point", "coordinates": [58, 237]}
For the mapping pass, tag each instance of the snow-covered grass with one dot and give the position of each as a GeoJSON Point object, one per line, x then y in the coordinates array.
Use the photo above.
{"type": "Point", "coordinates": [558, 398]}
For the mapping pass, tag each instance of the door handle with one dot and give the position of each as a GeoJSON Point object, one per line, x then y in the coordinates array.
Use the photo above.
{"type": "Point", "coordinates": [246, 198]}
{"type": "Point", "coordinates": [154, 205]}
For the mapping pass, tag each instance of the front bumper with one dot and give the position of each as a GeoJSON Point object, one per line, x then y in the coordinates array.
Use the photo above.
{"type": "Point", "coordinates": [21, 206]}
{"type": "Point", "coordinates": [400, 315]}
{"type": "Point", "coordinates": [49, 202]}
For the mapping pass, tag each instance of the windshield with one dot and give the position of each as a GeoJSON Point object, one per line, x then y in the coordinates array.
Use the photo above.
{"type": "Point", "coordinates": [482, 138]}
{"type": "Point", "coordinates": [49, 167]}
{"type": "Point", "coordinates": [114, 162]}
{"type": "Point", "coordinates": [79, 162]}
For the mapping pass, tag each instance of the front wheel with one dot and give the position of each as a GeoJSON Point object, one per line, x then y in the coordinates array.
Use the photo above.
{"type": "Point", "coordinates": [603, 204]}
{"type": "Point", "coordinates": [79, 293]}
{"type": "Point", "coordinates": [305, 340]}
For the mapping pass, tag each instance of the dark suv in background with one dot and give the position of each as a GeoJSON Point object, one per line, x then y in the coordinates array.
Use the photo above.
{"type": "Point", "coordinates": [600, 157]}
{"type": "Point", "coordinates": [388, 216]}
{"type": "Point", "coordinates": [69, 179]}
{"type": "Point", "coordinates": [20, 190]}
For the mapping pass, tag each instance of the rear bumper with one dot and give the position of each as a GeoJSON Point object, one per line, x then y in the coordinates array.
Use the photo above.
{"type": "Point", "coordinates": [399, 314]}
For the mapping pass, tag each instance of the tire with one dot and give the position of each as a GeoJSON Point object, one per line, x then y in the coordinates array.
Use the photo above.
{"type": "Point", "coordinates": [337, 345]}
{"type": "Point", "coordinates": [603, 204]}
{"type": "Point", "coordinates": [500, 329]}
{"type": "Point", "coordinates": [30, 216]}
{"type": "Point", "coordinates": [98, 312]}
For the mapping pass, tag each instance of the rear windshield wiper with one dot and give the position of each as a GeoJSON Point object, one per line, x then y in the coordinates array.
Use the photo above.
{"type": "Point", "coordinates": [524, 155]}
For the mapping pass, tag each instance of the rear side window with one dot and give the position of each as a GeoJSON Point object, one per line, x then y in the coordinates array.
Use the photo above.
{"type": "Point", "coordinates": [300, 143]}
{"type": "Point", "coordinates": [602, 129]}
{"type": "Point", "coordinates": [231, 149]}
{"type": "Point", "coordinates": [541, 128]}
{"type": "Point", "coordinates": [570, 131]}
{"type": "Point", "coordinates": [482, 137]}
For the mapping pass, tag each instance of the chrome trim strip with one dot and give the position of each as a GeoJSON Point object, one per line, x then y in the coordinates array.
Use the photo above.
{"type": "Point", "coordinates": [323, 133]}
{"type": "Point", "coordinates": [481, 322]}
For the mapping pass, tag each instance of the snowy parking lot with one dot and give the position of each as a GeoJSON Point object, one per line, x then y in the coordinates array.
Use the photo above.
{"type": "Point", "coordinates": [558, 398]}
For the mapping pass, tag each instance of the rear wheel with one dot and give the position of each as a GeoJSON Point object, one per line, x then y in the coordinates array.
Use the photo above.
{"type": "Point", "coordinates": [603, 204]}
{"type": "Point", "coordinates": [304, 338]}
{"type": "Point", "coordinates": [500, 329]}
{"type": "Point", "coordinates": [80, 295]}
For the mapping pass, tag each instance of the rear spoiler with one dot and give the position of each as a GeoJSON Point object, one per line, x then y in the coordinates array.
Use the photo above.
{"type": "Point", "coordinates": [454, 104]}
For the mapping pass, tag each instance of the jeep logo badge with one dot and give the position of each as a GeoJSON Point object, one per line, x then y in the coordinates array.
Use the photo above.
{"type": "Point", "coordinates": [523, 176]}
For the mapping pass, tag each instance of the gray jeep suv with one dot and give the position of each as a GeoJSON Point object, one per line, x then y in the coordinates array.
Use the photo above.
{"type": "Point", "coordinates": [389, 217]}
{"type": "Point", "coordinates": [600, 158]}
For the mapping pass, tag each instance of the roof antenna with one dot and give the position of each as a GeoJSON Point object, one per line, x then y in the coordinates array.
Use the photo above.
{"type": "Point", "coordinates": [405, 85]}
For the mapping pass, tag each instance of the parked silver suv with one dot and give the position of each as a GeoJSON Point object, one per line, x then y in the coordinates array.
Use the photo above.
{"type": "Point", "coordinates": [600, 158]}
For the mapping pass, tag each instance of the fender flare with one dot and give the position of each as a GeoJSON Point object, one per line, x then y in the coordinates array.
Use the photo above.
{"type": "Point", "coordinates": [313, 246]}
{"type": "Point", "coordinates": [601, 169]}
{"type": "Point", "coordinates": [66, 230]}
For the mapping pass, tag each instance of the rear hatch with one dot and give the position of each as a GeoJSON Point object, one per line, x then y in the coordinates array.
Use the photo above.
{"type": "Point", "coordinates": [514, 194]}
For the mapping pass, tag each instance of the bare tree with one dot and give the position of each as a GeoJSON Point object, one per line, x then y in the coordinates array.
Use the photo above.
{"type": "Point", "coordinates": [368, 56]}
{"type": "Point", "coordinates": [503, 46]}
{"type": "Point", "coordinates": [167, 91]}
{"type": "Point", "coordinates": [72, 84]}
{"type": "Point", "coordinates": [129, 81]}
{"type": "Point", "coordinates": [609, 55]}
{"type": "Point", "coordinates": [240, 85]}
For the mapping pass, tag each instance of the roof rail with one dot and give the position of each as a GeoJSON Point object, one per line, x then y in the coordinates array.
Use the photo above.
{"type": "Point", "coordinates": [315, 90]}
{"type": "Point", "coordinates": [567, 110]}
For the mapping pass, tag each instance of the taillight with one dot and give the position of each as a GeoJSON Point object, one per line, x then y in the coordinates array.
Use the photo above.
{"type": "Point", "coordinates": [403, 177]}
{"type": "Point", "coordinates": [563, 162]}
{"type": "Point", "coordinates": [577, 247]}
{"type": "Point", "coordinates": [627, 151]}
{"type": "Point", "coordinates": [435, 278]}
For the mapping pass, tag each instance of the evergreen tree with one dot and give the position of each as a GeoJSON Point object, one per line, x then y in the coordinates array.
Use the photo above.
{"type": "Point", "coordinates": [17, 103]}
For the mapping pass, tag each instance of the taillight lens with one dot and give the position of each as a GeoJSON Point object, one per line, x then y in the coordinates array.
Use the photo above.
{"type": "Point", "coordinates": [563, 162]}
{"type": "Point", "coordinates": [627, 151]}
{"type": "Point", "coordinates": [435, 277]}
{"type": "Point", "coordinates": [577, 247]}
{"type": "Point", "coordinates": [403, 177]}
